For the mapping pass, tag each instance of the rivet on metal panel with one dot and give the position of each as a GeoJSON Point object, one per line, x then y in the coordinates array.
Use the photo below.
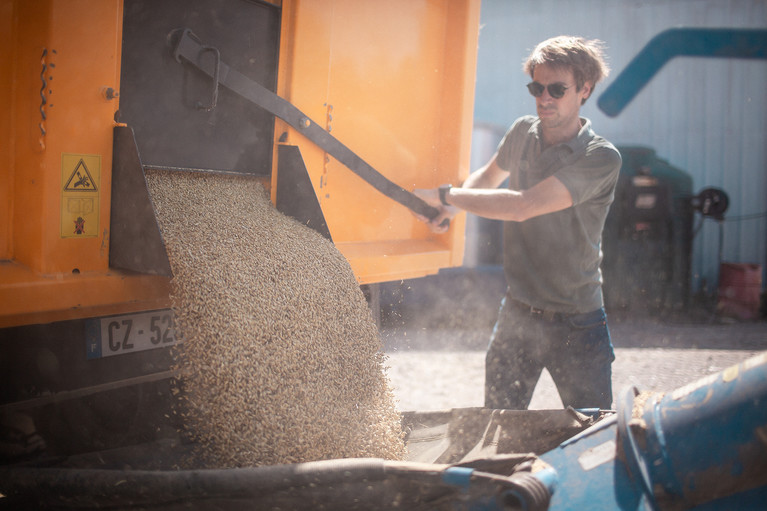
{"type": "Point", "coordinates": [109, 93]}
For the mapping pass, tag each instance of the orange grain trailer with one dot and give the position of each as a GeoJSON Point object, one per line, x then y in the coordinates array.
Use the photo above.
{"type": "Point", "coordinates": [338, 106]}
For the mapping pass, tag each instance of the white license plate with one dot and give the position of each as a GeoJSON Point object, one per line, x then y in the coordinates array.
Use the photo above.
{"type": "Point", "coordinates": [129, 333]}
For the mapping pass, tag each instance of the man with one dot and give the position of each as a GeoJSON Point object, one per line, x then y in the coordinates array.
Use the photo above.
{"type": "Point", "coordinates": [562, 181]}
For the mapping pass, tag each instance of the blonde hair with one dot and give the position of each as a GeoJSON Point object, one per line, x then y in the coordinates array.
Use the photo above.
{"type": "Point", "coordinates": [585, 58]}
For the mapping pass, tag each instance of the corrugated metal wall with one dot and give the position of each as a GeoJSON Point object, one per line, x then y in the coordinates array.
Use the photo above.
{"type": "Point", "coordinates": [705, 116]}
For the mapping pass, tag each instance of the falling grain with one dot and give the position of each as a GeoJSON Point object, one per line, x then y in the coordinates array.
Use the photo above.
{"type": "Point", "coordinates": [282, 362]}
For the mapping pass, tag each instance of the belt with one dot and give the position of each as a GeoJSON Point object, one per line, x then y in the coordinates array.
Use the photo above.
{"type": "Point", "coordinates": [545, 315]}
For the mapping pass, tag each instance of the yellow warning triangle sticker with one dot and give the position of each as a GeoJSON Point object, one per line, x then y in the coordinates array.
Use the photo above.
{"type": "Point", "coordinates": [80, 180]}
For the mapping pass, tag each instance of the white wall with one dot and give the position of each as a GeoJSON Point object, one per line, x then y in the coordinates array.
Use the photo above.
{"type": "Point", "coordinates": [706, 116]}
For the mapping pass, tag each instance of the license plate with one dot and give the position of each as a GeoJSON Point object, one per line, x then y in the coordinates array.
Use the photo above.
{"type": "Point", "coordinates": [129, 333]}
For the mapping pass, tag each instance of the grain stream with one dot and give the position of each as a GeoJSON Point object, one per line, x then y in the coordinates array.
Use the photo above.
{"type": "Point", "coordinates": [281, 362]}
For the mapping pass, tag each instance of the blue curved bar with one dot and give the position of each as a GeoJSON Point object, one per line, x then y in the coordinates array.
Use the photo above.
{"type": "Point", "coordinates": [679, 42]}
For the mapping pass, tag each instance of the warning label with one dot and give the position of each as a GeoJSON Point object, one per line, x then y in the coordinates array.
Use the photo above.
{"type": "Point", "coordinates": [80, 194]}
{"type": "Point", "coordinates": [81, 179]}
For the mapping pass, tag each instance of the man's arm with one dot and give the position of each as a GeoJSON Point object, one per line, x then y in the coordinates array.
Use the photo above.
{"type": "Point", "coordinates": [480, 195]}
{"type": "Point", "coordinates": [546, 197]}
{"type": "Point", "coordinates": [489, 177]}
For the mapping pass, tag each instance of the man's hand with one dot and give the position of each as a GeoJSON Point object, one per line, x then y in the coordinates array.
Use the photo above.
{"type": "Point", "coordinates": [437, 224]}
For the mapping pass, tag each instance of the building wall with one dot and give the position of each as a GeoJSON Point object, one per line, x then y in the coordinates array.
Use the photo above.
{"type": "Point", "coordinates": [705, 116]}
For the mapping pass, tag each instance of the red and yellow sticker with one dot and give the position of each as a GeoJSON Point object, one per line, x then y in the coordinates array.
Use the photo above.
{"type": "Point", "coordinates": [80, 193]}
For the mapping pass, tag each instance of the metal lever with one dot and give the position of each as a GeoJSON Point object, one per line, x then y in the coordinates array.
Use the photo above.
{"type": "Point", "coordinates": [190, 49]}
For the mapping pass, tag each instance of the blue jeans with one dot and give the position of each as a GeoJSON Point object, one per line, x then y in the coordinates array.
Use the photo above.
{"type": "Point", "coordinates": [575, 348]}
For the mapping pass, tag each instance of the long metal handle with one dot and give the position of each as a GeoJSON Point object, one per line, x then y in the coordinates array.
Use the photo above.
{"type": "Point", "coordinates": [190, 49]}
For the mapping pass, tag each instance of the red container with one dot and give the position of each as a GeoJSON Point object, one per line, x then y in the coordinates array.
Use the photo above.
{"type": "Point", "coordinates": [740, 287]}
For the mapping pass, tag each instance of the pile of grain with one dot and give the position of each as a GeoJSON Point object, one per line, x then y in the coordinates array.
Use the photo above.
{"type": "Point", "coordinates": [282, 361]}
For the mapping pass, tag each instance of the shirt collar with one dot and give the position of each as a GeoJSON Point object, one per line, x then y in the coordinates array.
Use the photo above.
{"type": "Point", "coordinates": [582, 139]}
{"type": "Point", "coordinates": [584, 136]}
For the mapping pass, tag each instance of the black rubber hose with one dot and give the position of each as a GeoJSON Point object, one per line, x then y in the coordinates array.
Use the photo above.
{"type": "Point", "coordinates": [97, 488]}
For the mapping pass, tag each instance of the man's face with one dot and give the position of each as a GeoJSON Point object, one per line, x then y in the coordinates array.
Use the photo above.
{"type": "Point", "coordinates": [563, 112]}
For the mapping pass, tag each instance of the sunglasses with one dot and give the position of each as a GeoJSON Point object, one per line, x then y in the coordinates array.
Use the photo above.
{"type": "Point", "coordinates": [556, 90]}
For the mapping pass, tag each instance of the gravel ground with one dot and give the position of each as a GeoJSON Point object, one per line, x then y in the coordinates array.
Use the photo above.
{"type": "Point", "coordinates": [435, 331]}
{"type": "Point", "coordinates": [649, 355]}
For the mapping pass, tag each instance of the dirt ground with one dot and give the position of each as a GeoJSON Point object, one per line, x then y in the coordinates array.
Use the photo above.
{"type": "Point", "coordinates": [436, 345]}
{"type": "Point", "coordinates": [437, 380]}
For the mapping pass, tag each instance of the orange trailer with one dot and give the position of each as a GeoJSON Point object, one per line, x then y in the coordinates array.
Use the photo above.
{"type": "Point", "coordinates": [96, 91]}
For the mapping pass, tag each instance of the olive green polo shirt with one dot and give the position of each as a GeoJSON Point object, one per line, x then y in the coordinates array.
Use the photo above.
{"type": "Point", "coordinates": [552, 261]}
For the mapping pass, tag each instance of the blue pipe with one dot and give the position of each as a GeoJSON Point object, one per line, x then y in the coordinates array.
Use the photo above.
{"type": "Point", "coordinates": [679, 42]}
{"type": "Point", "coordinates": [705, 440]}
{"type": "Point", "coordinates": [701, 447]}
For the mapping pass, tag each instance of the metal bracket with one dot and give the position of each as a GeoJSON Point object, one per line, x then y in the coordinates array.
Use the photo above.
{"type": "Point", "coordinates": [217, 68]}
{"type": "Point", "coordinates": [190, 49]}
{"type": "Point", "coordinates": [295, 196]}
{"type": "Point", "coordinates": [133, 216]}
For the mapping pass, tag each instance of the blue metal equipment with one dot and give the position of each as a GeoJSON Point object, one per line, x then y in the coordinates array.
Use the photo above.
{"type": "Point", "coordinates": [701, 447]}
